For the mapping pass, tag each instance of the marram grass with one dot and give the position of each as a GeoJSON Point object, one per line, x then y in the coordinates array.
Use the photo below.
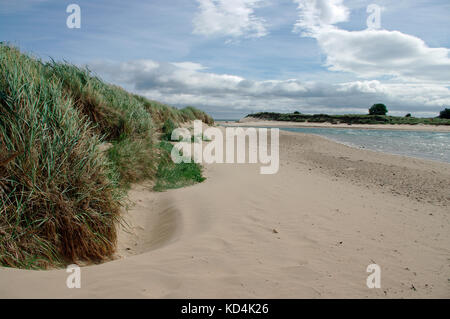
{"type": "Point", "coordinates": [60, 193]}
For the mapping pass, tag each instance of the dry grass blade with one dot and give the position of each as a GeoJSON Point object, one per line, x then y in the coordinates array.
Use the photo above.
{"type": "Point", "coordinates": [5, 161]}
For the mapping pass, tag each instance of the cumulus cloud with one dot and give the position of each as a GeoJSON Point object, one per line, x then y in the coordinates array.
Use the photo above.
{"type": "Point", "coordinates": [230, 18]}
{"type": "Point", "coordinates": [373, 53]}
{"type": "Point", "coordinates": [315, 15]}
{"type": "Point", "coordinates": [190, 83]}
{"type": "Point", "coordinates": [369, 53]}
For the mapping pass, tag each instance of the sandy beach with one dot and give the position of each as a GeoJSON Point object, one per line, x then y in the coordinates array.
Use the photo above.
{"type": "Point", "coordinates": [251, 121]}
{"type": "Point", "coordinates": [309, 231]}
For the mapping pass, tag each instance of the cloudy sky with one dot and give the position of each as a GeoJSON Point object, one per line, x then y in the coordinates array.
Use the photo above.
{"type": "Point", "coordinates": [234, 57]}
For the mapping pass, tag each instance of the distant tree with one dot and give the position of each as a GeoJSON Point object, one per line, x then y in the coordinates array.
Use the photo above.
{"type": "Point", "coordinates": [297, 112]}
{"type": "Point", "coordinates": [378, 109]}
{"type": "Point", "coordinates": [445, 114]}
{"type": "Point", "coordinates": [408, 115]}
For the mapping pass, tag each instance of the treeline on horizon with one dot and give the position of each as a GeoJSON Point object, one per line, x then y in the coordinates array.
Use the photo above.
{"type": "Point", "coordinates": [70, 146]}
{"type": "Point", "coordinates": [351, 118]}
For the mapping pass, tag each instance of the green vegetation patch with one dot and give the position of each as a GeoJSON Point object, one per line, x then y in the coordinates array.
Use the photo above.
{"type": "Point", "coordinates": [349, 118]}
{"type": "Point", "coordinates": [170, 175]}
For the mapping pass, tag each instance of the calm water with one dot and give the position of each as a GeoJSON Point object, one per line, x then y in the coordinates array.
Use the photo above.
{"type": "Point", "coordinates": [428, 145]}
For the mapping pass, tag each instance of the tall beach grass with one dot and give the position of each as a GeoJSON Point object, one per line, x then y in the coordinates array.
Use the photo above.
{"type": "Point", "coordinates": [60, 189]}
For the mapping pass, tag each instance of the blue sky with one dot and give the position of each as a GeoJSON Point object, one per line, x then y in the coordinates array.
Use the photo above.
{"type": "Point", "coordinates": [234, 57]}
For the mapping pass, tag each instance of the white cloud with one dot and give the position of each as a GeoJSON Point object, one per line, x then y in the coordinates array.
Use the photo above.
{"type": "Point", "coordinates": [369, 53]}
{"type": "Point", "coordinates": [319, 14]}
{"type": "Point", "coordinates": [189, 66]}
{"type": "Point", "coordinates": [189, 83]}
{"type": "Point", "coordinates": [373, 53]}
{"type": "Point", "coordinates": [230, 18]}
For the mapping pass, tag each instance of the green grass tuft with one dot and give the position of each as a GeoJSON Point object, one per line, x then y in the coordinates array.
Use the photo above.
{"type": "Point", "coordinates": [167, 130]}
{"type": "Point", "coordinates": [171, 175]}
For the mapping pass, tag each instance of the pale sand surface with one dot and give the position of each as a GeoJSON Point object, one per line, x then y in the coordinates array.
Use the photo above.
{"type": "Point", "coordinates": [309, 231]}
{"type": "Point", "coordinates": [251, 121]}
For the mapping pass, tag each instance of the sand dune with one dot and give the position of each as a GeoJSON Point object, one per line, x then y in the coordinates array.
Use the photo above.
{"type": "Point", "coordinates": [309, 231]}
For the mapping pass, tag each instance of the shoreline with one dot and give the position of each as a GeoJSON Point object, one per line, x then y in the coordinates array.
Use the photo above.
{"type": "Point", "coordinates": [309, 231]}
{"type": "Point", "coordinates": [354, 146]}
{"type": "Point", "coordinates": [402, 127]}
